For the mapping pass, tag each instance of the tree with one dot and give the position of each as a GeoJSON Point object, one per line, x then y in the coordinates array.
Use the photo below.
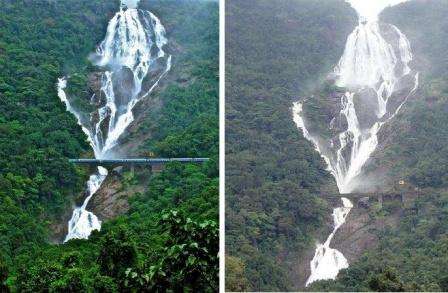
{"type": "Point", "coordinates": [188, 261]}
{"type": "Point", "coordinates": [191, 254]}
{"type": "Point", "coordinates": [443, 283]}
{"type": "Point", "coordinates": [235, 275]}
{"type": "Point", "coordinates": [117, 253]}
{"type": "Point", "coordinates": [3, 276]}
{"type": "Point", "coordinates": [387, 281]}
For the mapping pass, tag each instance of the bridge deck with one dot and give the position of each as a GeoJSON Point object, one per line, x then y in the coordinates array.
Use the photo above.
{"type": "Point", "coordinates": [360, 195]}
{"type": "Point", "coordinates": [136, 161]}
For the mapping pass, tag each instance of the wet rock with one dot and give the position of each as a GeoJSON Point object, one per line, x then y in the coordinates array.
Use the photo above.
{"type": "Point", "coordinates": [123, 82]}
{"type": "Point", "coordinates": [366, 105]}
{"type": "Point", "coordinates": [360, 232]}
{"type": "Point", "coordinates": [112, 198]}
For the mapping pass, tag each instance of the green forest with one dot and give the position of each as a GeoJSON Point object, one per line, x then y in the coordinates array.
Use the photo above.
{"type": "Point", "coordinates": [168, 240]}
{"type": "Point", "coordinates": [422, 139]}
{"type": "Point", "coordinates": [278, 52]}
{"type": "Point", "coordinates": [414, 255]}
{"type": "Point", "coordinates": [274, 52]}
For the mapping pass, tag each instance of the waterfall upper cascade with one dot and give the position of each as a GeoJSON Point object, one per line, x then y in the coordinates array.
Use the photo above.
{"type": "Point", "coordinates": [133, 60]}
{"type": "Point", "coordinates": [376, 77]}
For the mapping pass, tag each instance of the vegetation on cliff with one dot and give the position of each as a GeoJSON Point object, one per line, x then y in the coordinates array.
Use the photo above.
{"type": "Point", "coordinates": [169, 238]}
{"type": "Point", "coordinates": [414, 256]}
{"type": "Point", "coordinates": [275, 52]}
{"type": "Point", "coordinates": [39, 41]}
{"type": "Point", "coordinates": [417, 140]}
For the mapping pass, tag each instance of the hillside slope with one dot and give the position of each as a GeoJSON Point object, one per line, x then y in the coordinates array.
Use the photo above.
{"type": "Point", "coordinates": [39, 42]}
{"type": "Point", "coordinates": [410, 254]}
{"type": "Point", "coordinates": [174, 213]}
{"type": "Point", "coordinates": [417, 139]}
{"type": "Point", "coordinates": [275, 52]}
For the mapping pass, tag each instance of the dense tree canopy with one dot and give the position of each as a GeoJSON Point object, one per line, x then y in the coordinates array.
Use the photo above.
{"type": "Point", "coordinates": [419, 136]}
{"type": "Point", "coordinates": [275, 52]}
{"type": "Point", "coordinates": [414, 255]}
{"type": "Point", "coordinates": [169, 237]}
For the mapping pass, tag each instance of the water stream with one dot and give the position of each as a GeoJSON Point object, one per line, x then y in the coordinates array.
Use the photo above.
{"type": "Point", "coordinates": [134, 61]}
{"type": "Point", "coordinates": [327, 262]}
{"type": "Point", "coordinates": [375, 72]}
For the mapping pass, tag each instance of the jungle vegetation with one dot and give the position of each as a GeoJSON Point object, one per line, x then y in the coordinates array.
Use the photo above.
{"type": "Point", "coordinates": [414, 255]}
{"type": "Point", "coordinates": [169, 237]}
{"type": "Point", "coordinates": [276, 51]}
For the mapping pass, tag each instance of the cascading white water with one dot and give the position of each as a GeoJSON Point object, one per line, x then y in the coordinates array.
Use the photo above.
{"type": "Point", "coordinates": [134, 60]}
{"type": "Point", "coordinates": [62, 84]}
{"type": "Point", "coordinates": [84, 222]}
{"type": "Point", "coordinates": [376, 60]}
{"type": "Point", "coordinates": [297, 110]}
{"type": "Point", "coordinates": [327, 262]}
{"type": "Point", "coordinates": [132, 37]}
{"type": "Point", "coordinates": [369, 62]}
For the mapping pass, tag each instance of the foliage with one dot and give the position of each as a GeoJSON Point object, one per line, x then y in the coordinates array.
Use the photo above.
{"type": "Point", "coordinates": [412, 257]}
{"type": "Point", "coordinates": [40, 41]}
{"type": "Point", "coordinates": [235, 275]}
{"type": "Point", "coordinates": [275, 52]}
{"type": "Point", "coordinates": [417, 139]}
{"type": "Point", "coordinates": [185, 256]}
{"type": "Point", "coordinates": [386, 281]}
{"type": "Point", "coordinates": [43, 40]}
{"type": "Point", "coordinates": [117, 253]}
{"type": "Point", "coordinates": [3, 276]}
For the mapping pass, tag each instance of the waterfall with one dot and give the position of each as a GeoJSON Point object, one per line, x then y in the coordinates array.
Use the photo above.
{"type": "Point", "coordinates": [134, 42]}
{"type": "Point", "coordinates": [134, 61]}
{"type": "Point", "coordinates": [327, 262]}
{"type": "Point", "coordinates": [375, 72]}
{"type": "Point", "coordinates": [83, 222]}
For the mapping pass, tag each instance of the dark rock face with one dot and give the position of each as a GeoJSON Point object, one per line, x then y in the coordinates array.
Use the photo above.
{"type": "Point", "coordinates": [366, 105]}
{"type": "Point", "coordinates": [364, 202]}
{"type": "Point", "coordinates": [109, 202]}
{"type": "Point", "coordinates": [357, 235]}
{"type": "Point", "coordinates": [361, 230]}
{"type": "Point", "coordinates": [111, 199]}
{"type": "Point", "coordinates": [401, 92]}
{"type": "Point", "coordinates": [94, 84]}
{"type": "Point", "coordinates": [124, 88]}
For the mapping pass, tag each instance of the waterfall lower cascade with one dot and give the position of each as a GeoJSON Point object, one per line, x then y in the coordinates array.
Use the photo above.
{"type": "Point", "coordinates": [327, 262]}
{"type": "Point", "coordinates": [375, 77]}
{"type": "Point", "coordinates": [133, 61]}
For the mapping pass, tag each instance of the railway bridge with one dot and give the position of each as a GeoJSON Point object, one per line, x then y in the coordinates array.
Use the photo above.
{"type": "Point", "coordinates": [156, 164]}
{"type": "Point", "coordinates": [364, 200]}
